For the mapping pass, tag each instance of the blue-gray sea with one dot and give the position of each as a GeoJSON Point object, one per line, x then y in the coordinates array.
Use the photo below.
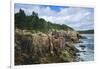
{"type": "Point", "coordinates": [87, 52]}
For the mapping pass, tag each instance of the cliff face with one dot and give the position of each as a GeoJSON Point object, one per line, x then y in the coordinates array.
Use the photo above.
{"type": "Point", "coordinates": [53, 47]}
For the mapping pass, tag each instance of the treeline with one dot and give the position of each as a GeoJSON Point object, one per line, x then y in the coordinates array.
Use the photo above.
{"type": "Point", "coordinates": [33, 22]}
{"type": "Point", "coordinates": [87, 32]}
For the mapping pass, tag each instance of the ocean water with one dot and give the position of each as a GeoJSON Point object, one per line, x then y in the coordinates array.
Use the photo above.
{"type": "Point", "coordinates": [86, 48]}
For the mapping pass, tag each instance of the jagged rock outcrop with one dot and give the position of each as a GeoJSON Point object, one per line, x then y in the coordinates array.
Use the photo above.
{"type": "Point", "coordinates": [33, 48]}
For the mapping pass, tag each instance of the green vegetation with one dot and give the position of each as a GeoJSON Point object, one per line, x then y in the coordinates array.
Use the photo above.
{"type": "Point", "coordinates": [87, 32]}
{"type": "Point", "coordinates": [38, 41]}
{"type": "Point", "coordinates": [33, 22]}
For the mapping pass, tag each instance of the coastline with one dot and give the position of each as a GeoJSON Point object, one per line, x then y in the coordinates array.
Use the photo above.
{"type": "Point", "coordinates": [53, 47]}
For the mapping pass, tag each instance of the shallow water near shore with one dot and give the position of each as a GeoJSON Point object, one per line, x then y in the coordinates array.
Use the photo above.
{"type": "Point", "coordinates": [86, 48]}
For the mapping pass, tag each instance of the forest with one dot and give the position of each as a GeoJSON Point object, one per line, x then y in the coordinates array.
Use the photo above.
{"type": "Point", "coordinates": [33, 22]}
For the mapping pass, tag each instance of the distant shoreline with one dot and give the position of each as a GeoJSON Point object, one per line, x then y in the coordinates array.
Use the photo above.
{"type": "Point", "coordinates": [86, 32]}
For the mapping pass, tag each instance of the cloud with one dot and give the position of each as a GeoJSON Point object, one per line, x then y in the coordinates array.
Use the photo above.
{"type": "Point", "coordinates": [76, 17]}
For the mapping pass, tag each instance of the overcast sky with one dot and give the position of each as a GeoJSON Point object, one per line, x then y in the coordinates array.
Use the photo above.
{"type": "Point", "coordinates": [76, 17]}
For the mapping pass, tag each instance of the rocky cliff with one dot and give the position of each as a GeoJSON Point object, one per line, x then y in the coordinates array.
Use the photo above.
{"type": "Point", "coordinates": [52, 47]}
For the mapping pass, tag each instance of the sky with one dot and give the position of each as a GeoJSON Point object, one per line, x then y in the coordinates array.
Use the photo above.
{"type": "Point", "coordinates": [79, 18]}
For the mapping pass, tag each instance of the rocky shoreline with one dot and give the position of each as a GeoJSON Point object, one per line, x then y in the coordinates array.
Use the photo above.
{"type": "Point", "coordinates": [41, 48]}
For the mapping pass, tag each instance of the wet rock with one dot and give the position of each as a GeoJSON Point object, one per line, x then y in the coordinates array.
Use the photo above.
{"type": "Point", "coordinates": [80, 41]}
{"type": "Point", "coordinates": [82, 51]}
{"type": "Point", "coordinates": [82, 37]}
{"type": "Point", "coordinates": [77, 54]}
{"type": "Point", "coordinates": [82, 46]}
